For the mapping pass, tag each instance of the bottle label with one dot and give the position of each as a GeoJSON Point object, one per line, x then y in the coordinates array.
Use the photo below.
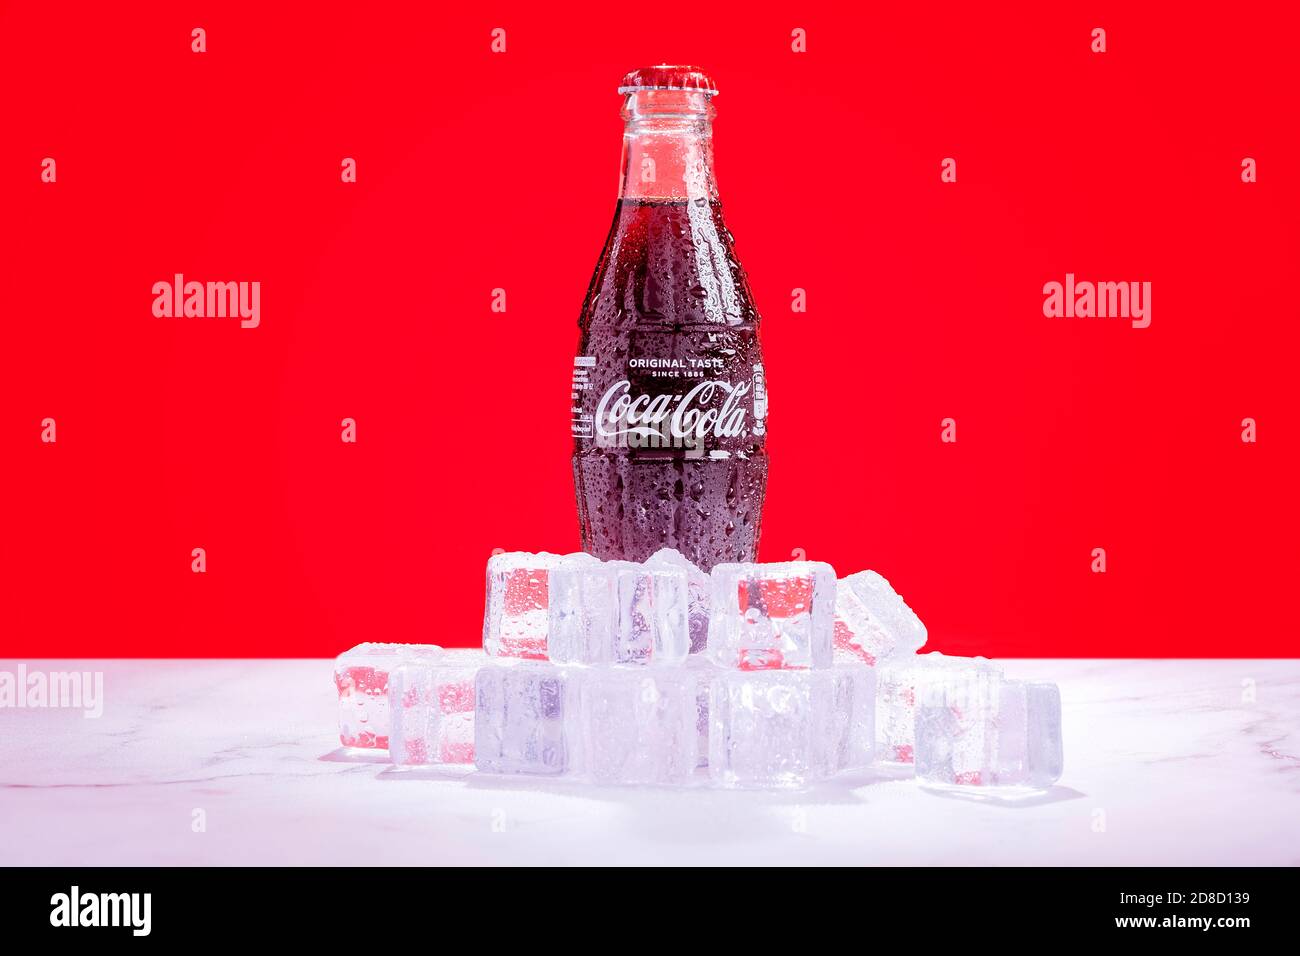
{"type": "Point", "coordinates": [582, 366]}
{"type": "Point", "coordinates": [704, 406]}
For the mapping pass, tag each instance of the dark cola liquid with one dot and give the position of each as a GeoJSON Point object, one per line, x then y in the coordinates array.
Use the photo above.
{"type": "Point", "coordinates": [670, 397]}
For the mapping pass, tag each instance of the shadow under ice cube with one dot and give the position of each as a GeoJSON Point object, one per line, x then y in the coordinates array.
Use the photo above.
{"type": "Point", "coordinates": [526, 719]}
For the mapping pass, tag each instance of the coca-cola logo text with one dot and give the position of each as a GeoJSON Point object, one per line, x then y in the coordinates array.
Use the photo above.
{"type": "Point", "coordinates": [687, 417]}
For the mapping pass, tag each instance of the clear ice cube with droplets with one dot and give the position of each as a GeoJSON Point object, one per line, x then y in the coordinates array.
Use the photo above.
{"type": "Point", "coordinates": [898, 685]}
{"type": "Point", "coordinates": [526, 719]}
{"type": "Point", "coordinates": [974, 729]}
{"type": "Point", "coordinates": [698, 590]}
{"type": "Point", "coordinates": [432, 711]}
{"type": "Point", "coordinates": [639, 724]}
{"type": "Point", "coordinates": [872, 622]}
{"type": "Point", "coordinates": [772, 616]}
{"type": "Point", "coordinates": [516, 618]}
{"type": "Point", "coordinates": [361, 680]}
{"type": "Point", "coordinates": [789, 728]}
{"type": "Point", "coordinates": [619, 612]}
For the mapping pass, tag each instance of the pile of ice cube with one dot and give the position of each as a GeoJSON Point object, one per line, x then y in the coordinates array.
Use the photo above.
{"type": "Point", "coordinates": [655, 673]}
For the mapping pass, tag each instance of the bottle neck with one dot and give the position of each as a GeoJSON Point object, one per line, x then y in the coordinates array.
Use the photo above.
{"type": "Point", "coordinates": [668, 146]}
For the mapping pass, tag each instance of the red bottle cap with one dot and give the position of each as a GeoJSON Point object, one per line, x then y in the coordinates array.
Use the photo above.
{"type": "Point", "coordinates": [665, 77]}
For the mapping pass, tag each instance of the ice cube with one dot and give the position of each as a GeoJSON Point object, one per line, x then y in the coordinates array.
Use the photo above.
{"type": "Point", "coordinates": [517, 612]}
{"type": "Point", "coordinates": [698, 588]}
{"type": "Point", "coordinates": [898, 681]}
{"type": "Point", "coordinates": [976, 730]}
{"type": "Point", "coordinates": [639, 724]}
{"type": "Point", "coordinates": [361, 678]}
{"type": "Point", "coordinates": [855, 702]}
{"type": "Point", "coordinates": [772, 616]}
{"type": "Point", "coordinates": [432, 708]}
{"type": "Point", "coordinates": [583, 612]}
{"type": "Point", "coordinates": [872, 623]}
{"type": "Point", "coordinates": [526, 719]}
{"type": "Point", "coordinates": [704, 670]}
{"type": "Point", "coordinates": [788, 728]}
{"type": "Point", "coordinates": [1044, 752]}
{"type": "Point", "coordinates": [618, 612]}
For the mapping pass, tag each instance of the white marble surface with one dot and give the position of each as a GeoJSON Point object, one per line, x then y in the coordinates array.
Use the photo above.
{"type": "Point", "coordinates": [1166, 762]}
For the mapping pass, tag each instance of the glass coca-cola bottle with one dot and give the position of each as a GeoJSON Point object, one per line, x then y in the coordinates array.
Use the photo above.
{"type": "Point", "coordinates": [669, 395]}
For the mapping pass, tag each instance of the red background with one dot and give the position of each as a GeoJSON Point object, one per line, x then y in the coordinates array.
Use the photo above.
{"type": "Point", "coordinates": [479, 170]}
